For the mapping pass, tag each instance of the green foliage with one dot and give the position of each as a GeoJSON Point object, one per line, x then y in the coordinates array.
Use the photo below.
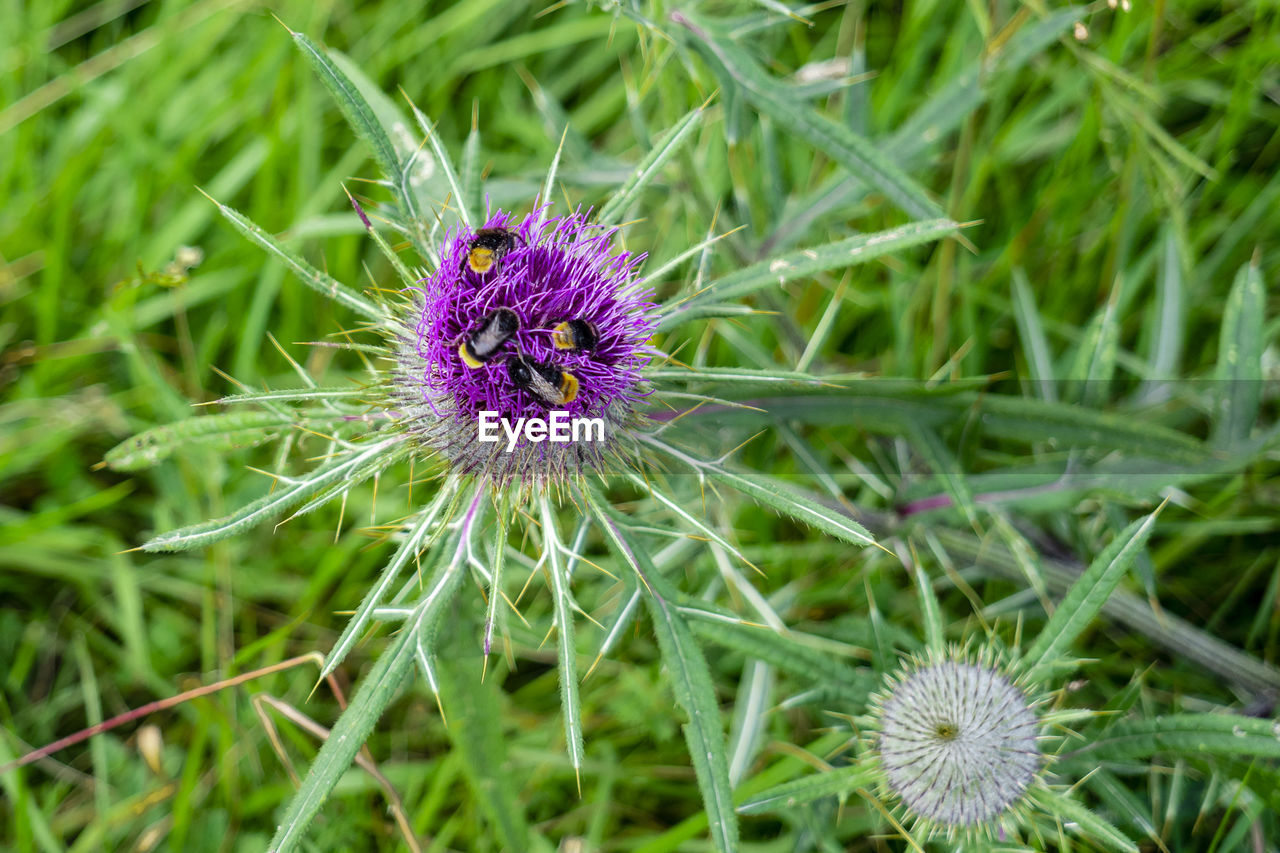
{"type": "Point", "coordinates": [1085, 599]}
{"type": "Point", "coordinates": [1005, 404]}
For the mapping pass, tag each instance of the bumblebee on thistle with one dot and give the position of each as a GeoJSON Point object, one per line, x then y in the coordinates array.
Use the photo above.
{"type": "Point", "coordinates": [522, 319]}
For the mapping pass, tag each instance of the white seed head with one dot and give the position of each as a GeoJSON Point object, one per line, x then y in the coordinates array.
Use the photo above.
{"type": "Point", "coordinates": [958, 743]}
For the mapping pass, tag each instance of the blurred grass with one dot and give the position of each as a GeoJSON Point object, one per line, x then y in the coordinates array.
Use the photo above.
{"type": "Point", "coordinates": [1128, 175]}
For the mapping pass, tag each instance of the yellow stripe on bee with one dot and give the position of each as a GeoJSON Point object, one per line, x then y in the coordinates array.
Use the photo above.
{"type": "Point", "coordinates": [562, 336]}
{"type": "Point", "coordinates": [467, 358]}
{"type": "Point", "coordinates": [480, 259]}
{"type": "Point", "coordinates": [568, 387]}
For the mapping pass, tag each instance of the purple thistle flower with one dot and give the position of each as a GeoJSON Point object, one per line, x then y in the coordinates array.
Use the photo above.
{"type": "Point", "coordinates": [546, 273]}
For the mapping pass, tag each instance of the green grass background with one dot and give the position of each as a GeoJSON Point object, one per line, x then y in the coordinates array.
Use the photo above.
{"type": "Point", "coordinates": [1141, 149]}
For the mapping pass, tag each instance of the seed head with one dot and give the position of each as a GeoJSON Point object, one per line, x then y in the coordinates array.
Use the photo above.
{"type": "Point", "coordinates": [958, 743]}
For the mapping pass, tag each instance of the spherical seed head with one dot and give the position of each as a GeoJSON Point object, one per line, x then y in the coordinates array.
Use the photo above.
{"type": "Point", "coordinates": [958, 743]}
{"type": "Point", "coordinates": [553, 270]}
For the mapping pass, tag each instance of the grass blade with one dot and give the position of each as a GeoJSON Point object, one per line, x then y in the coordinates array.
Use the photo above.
{"type": "Point", "coordinates": [1239, 369]}
{"type": "Point", "coordinates": [773, 494]}
{"type": "Point", "coordinates": [1069, 811]}
{"type": "Point", "coordinates": [690, 681]}
{"type": "Point", "coordinates": [566, 652]}
{"type": "Point", "coordinates": [947, 468]}
{"type": "Point", "coordinates": [321, 282]}
{"type": "Point", "coordinates": [446, 166]}
{"type": "Point", "coordinates": [354, 466]}
{"type": "Point", "coordinates": [805, 262]}
{"type": "Point", "coordinates": [349, 734]}
{"type": "Point", "coordinates": [354, 107]}
{"type": "Point", "coordinates": [218, 432]}
{"type": "Point", "coordinates": [471, 166]}
{"type": "Point", "coordinates": [847, 148]}
{"type": "Point", "coordinates": [736, 376]}
{"type": "Point", "coordinates": [891, 408]}
{"type": "Point", "coordinates": [817, 667]}
{"type": "Point", "coordinates": [475, 726]}
{"type": "Point", "coordinates": [934, 627]}
{"type": "Point", "coordinates": [1200, 734]}
{"type": "Point", "coordinates": [750, 718]}
{"type": "Point", "coordinates": [695, 691]}
{"type": "Point", "coordinates": [549, 183]}
{"type": "Point", "coordinates": [939, 116]}
{"type": "Point", "coordinates": [947, 108]}
{"type": "Point", "coordinates": [408, 550]}
{"type": "Point", "coordinates": [1087, 595]}
{"type": "Point", "coordinates": [650, 165]}
{"type": "Point", "coordinates": [1035, 346]}
{"type": "Point", "coordinates": [1170, 312]}
{"type": "Point", "coordinates": [1095, 359]}
{"type": "Point", "coordinates": [296, 395]}
{"type": "Point", "coordinates": [832, 783]}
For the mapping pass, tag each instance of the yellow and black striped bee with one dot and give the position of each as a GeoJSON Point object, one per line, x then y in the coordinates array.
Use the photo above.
{"type": "Point", "coordinates": [575, 335]}
{"type": "Point", "coordinates": [553, 386]}
{"type": "Point", "coordinates": [488, 248]}
{"type": "Point", "coordinates": [484, 343]}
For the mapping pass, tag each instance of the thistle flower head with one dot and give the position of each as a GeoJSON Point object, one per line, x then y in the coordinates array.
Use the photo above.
{"type": "Point", "coordinates": [958, 741]}
{"type": "Point", "coordinates": [496, 333]}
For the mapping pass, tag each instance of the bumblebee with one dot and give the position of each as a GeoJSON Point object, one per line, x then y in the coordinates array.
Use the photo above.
{"type": "Point", "coordinates": [488, 248]}
{"type": "Point", "coordinates": [575, 334]}
{"type": "Point", "coordinates": [551, 385]}
{"type": "Point", "coordinates": [484, 343]}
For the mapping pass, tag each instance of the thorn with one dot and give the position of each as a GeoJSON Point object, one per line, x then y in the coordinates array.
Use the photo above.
{"type": "Point", "coordinates": [593, 666]}
{"type": "Point", "coordinates": [560, 4]}
{"type": "Point", "coordinates": [514, 610]}
{"type": "Point", "coordinates": [342, 514]}
{"type": "Point", "coordinates": [211, 198]}
{"type": "Point", "coordinates": [273, 475]}
{"type": "Point", "coordinates": [282, 23]}
{"type": "Point", "coordinates": [440, 708]}
{"type": "Point", "coordinates": [740, 446]}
